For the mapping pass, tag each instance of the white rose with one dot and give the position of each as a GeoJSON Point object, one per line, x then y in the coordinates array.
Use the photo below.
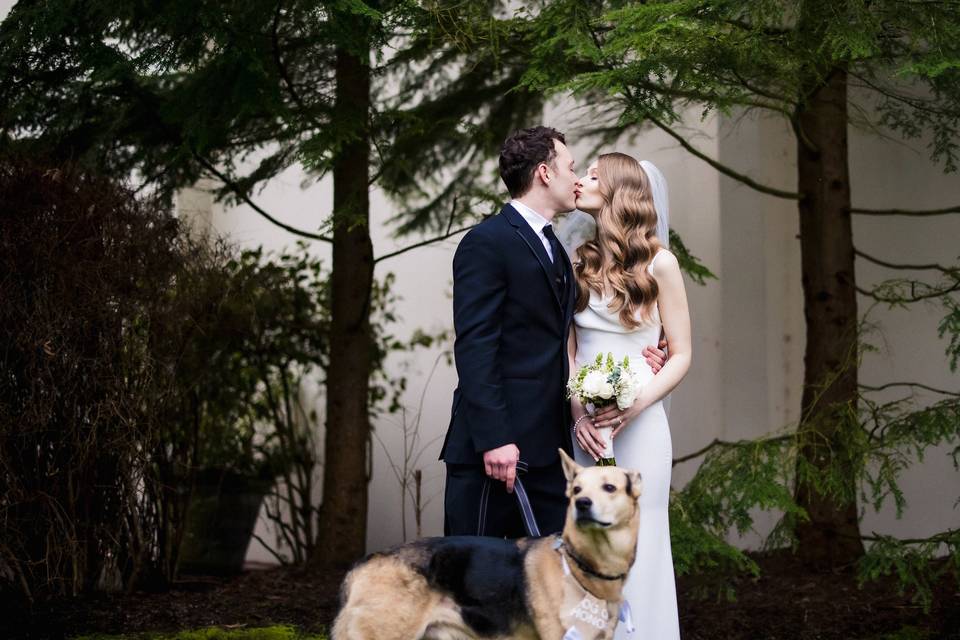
{"type": "Point", "coordinates": [593, 384]}
{"type": "Point", "coordinates": [606, 390]}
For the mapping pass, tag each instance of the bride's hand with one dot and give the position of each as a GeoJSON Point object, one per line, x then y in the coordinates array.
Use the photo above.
{"type": "Point", "coordinates": [617, 418]}
{"type": "Point", "coordinates": [589, 440]}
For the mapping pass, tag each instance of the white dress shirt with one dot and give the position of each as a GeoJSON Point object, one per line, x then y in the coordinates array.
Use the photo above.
{"type": "Point", "coordinates": [536, 221]}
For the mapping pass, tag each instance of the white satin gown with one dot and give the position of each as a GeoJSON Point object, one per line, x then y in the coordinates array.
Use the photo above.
{"type": "Point", "coordinates": [643, 445]}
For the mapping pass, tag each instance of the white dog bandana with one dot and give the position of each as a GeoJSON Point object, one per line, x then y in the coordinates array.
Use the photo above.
{"type": "Point", "coordinates": [586, 617]}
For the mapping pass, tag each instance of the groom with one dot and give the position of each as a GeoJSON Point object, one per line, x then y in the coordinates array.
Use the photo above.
{"type": "Point", "coordinates": [513, 299]}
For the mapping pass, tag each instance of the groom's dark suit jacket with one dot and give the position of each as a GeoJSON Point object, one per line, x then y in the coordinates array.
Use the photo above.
{"type": "Point", "coordinates": [512, 320]}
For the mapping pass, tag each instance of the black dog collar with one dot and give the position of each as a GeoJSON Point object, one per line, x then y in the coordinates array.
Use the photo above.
{"type": "Point", "coordinates": [582, 564]}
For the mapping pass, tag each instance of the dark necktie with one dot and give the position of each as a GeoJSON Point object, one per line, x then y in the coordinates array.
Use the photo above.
{"type": "Point", "coordinates": [557, 259]}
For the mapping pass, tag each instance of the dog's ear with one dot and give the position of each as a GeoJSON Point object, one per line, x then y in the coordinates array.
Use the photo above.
{"type": "Point", "coordinates": [570, 468]}
{"type": "Point", "coordinates": [634, 483]}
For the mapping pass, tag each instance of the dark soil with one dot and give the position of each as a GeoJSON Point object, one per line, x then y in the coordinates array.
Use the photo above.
{"type": "Point", "coordinates": [785, 602]}
{"type": "Point", "coordinates": [789, 602]}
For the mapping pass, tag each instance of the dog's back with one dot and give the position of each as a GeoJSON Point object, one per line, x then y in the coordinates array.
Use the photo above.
{"type": "Point", "coordinates": [437, 587]}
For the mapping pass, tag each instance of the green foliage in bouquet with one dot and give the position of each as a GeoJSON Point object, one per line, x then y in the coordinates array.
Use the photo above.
{"type": "Point", "coordinates": [604, 381]}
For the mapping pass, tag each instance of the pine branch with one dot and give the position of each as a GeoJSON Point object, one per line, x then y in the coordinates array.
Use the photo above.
{"type": "Point", "coordinates": [284, 73]}
{"type": "Point", "coordinates": [686, 145]}
{"type": "Point", "coordinates": [722, 168]}
{"type": "Point", "coordinates": [943, 536]}
{"type": "Point", "coordinates": [914, 297]}
{"type": "Point", "coordinates": [913, 102]}
{"type": "Point", "coordinates": [240, 193]}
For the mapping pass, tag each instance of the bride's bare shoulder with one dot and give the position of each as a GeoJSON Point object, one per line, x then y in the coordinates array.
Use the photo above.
{"type": "Point", "coordinates": [664, 261]}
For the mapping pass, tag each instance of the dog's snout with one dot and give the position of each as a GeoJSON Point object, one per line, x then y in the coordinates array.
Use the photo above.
{"type": "Point", "coordinates": [583, 504]}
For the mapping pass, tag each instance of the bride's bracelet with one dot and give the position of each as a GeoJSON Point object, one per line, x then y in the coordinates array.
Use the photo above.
{"type": "Point", "coordinates": [577, 423]}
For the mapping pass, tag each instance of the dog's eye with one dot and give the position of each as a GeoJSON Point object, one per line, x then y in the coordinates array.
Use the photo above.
{"type": "Point", "coordinates": [577, 490]}
{"type": "Point", "coordinates": [609, 488]}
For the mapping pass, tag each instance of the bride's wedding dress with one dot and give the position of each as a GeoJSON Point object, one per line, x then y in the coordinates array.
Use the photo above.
{"type": "Point", "coordinates": [643, 445]}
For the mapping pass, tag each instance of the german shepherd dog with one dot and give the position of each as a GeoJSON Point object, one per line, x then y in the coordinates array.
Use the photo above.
{"type": "Point", "coordinates": [468, 588]}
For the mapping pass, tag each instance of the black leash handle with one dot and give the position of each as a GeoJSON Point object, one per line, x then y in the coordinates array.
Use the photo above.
{"type": "Point", "coordinates": [523, 501]}
{"type": "Point", "coordinates": [526, 510]}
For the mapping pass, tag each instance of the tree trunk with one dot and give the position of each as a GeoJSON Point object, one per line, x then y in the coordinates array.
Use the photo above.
{"type": "Point", "coordinates": [342, 524]}
{"type": "Point", "coordinates": [831, 537]}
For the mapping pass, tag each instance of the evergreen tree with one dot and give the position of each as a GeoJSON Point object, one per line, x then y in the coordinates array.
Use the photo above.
{"type": "Point", "coordinates": [373, 93]}
{"type": "Point", "coordinates": [796, 59]}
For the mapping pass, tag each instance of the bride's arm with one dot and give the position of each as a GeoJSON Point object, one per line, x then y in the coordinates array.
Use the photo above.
{"type": "Point", "coordinates": [675, 316]}
{"type": "Point", "coordinates": [586, 436]}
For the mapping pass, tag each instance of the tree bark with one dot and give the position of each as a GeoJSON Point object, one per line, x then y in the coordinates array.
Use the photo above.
{"type": "Point", "coordinates": [342, 523]}
{"type": "Point", "coordinates": [831, 537]}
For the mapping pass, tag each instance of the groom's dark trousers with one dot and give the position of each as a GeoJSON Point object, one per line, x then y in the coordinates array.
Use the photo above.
{"type": "Point", "coordinates": [512, 310]}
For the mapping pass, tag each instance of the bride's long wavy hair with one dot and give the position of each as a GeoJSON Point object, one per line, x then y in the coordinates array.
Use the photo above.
{"type": "Point", "coordinates": [616, 260]}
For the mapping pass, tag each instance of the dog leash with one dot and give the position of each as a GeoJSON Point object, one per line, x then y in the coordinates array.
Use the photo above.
{"type": "Point", "coordinates": [523, 501]}
{"type": "Point", "coordinates": [526, 511]}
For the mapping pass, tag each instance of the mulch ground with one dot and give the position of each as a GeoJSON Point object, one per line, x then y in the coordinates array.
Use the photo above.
{"type": "Point", "coordinates": [785, 602]}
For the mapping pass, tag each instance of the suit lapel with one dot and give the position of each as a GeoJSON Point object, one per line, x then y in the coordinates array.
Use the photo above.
{"type": "Point", "coordinates": [533, 242]}
{"type": "Point", "coordinates": [571, 289]}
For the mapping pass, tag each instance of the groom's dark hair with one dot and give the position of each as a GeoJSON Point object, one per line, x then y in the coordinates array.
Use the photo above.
{"type": "Point", "coordinates": [522, 152]}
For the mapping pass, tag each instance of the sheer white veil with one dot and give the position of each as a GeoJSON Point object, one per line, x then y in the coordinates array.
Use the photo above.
{"type": "Point", "coordinates": [661, 201]}
{"type": "Point", "coordinates": [578, 227]}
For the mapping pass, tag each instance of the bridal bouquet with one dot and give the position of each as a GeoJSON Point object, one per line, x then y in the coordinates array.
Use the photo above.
{"type": "Point", "coordinates": [602, 383]}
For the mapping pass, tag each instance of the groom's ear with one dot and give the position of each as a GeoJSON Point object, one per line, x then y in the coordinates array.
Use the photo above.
{"type": "Point", "coordinates": [570, 468]}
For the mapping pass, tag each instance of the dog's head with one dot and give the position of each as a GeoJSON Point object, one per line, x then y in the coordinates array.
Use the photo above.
{"type": "Point", "coordinates": [600, 497]}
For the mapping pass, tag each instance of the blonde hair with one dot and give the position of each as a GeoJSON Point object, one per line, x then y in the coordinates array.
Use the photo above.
{"type": "Point", "coordinates": [625, 244]}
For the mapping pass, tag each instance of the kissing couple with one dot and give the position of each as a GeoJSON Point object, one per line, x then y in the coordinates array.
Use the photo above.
{"type": "Point", "coordinates": [526, 316]}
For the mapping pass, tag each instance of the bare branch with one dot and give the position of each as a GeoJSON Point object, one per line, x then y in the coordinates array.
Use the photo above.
{"type": "Point", "coordinates": [422, 244]}
{"type": "Point", "coordinates": [917, 267]}
{"type": "Point", "coordinates": [905, 212]}
{"type": "Point", "coordinates": [233, 186]}
{"type": "Point", "coordinates": [722, 168]}
{"type": "Point", "coordinates": [266, 546]}
{"type": "Point", "coordinates": [891, 385]}
{"type": "Point", "coordinates": [723, 443]}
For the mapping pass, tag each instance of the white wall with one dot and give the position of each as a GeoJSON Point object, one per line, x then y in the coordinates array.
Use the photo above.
{"type": "Point", "coordinates": [762, 308]}
{"type": "Point", "coordinates": [748, 326]}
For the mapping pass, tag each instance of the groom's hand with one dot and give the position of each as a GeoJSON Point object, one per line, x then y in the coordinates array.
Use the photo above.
{"type": "Point", "coordinates": [501, 464]}
{"type": "Point", "coordinates": [656, 357]}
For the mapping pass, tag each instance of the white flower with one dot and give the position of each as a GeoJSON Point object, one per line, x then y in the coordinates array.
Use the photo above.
{"type": "Point", "coordinates": [595, 385]}
{"type": "Point", "coordinates": [629, 388]}
{"type": "Point", "coordinates": [606, 391]}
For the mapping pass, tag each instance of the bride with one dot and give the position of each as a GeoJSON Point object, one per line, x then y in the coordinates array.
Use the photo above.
{"type": "Point", "coordinates": [629, 289]}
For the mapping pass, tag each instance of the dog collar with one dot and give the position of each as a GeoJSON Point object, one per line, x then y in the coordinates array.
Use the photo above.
{"type": "Point", "coordinates": [561, 546]}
